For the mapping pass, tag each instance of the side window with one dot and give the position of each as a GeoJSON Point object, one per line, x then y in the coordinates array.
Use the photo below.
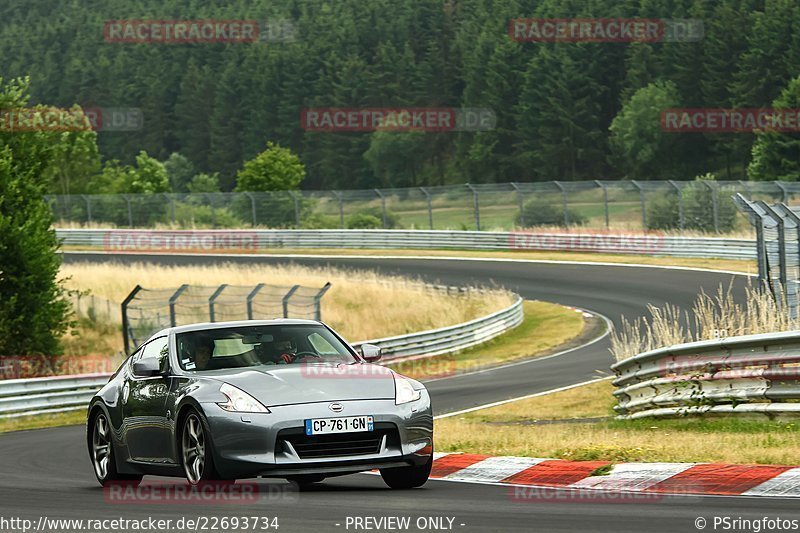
{"type": "Point", "coordinates": [155, 349]}
{"type": "Point", "coordinates": [321, 345]}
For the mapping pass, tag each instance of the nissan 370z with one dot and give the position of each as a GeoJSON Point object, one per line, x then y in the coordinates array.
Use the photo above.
{"type": "Point", "coordinates": [280, 398]}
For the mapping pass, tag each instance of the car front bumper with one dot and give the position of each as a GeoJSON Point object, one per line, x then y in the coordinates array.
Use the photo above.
{"type": "Point", "coordinates": [253, 444]}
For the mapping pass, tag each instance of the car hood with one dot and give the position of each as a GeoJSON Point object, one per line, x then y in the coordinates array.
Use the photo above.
{"type": "Point", "coordinates": [292, 384]}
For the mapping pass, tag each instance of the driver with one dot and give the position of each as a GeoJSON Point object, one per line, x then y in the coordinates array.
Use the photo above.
{"type": "Point", "coordinates": [203, 349]}
{"type": "Point", "coordinates": [279, 352]}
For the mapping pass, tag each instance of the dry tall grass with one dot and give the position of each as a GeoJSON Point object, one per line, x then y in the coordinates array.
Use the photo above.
{"type": "Point", "coordinates": [712, 316]}
{"type": "Point", "coordinates": [360, 304]}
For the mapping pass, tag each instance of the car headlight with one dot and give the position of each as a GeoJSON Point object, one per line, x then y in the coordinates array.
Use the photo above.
{"type": "Point", "coordinates": [239, 401]}
{"type": "Point", "coordinates": [404, 392]}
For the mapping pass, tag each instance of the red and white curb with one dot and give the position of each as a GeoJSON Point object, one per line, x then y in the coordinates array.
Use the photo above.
{"type": "Point", "coordinates": [654, 478]}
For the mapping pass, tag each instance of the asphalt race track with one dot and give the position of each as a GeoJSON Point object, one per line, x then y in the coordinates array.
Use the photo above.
{"type": "Point", "coordinates": [48, 473]}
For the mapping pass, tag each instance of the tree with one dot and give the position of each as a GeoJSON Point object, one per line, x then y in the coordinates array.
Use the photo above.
{"type": "Point", "coordinates": [204, 183]}
{"type": "Point", "coordinates": [179, 171]}
{"type": "Point", "coordinates": [638, 141]}
{"type": "Point", "coordinates": [397, 157]}
{"type": "Point", "coordinates": [33, 310]}
{"type": "Point", "coordinates": [776, 155]}
{"type": "Point", "coordinates": [274, 169]}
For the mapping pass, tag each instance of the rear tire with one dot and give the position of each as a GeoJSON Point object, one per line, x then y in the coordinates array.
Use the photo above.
{"type": "Point", "coordinates": [102, 453]}
{"type": "Point", "coordinates": [407, 477]}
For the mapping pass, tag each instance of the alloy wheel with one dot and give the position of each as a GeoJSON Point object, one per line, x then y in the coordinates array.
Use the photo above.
{"type": "Point", "coordinates": [194, 449]}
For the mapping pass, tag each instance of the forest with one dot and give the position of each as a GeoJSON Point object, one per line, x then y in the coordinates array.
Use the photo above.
{"type": "Point", "coordinates": [562, 110]}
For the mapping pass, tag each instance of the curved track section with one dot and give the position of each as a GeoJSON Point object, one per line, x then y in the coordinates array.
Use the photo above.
{"type": "Point", "coordinates": [47, 472]}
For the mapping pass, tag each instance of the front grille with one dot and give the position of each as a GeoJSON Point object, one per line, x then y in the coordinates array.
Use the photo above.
{"type": "Point", "coordinates": [339, 444]}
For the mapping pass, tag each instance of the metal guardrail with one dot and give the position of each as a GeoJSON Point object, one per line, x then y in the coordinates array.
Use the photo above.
{"type": "Point", "coordinates": [21, 397]}
{"type": "Point", "coordinates": [176, 241]}
{"type": "Point", "coordinates": [751, 374]}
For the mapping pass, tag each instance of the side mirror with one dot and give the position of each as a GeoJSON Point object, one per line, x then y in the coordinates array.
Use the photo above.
{"type": "Point", "coordinates": [370, 352]}
{"type": "Point", "coordinates": [147, 368]}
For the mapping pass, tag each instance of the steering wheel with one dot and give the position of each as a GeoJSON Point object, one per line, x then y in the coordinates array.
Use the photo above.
{"type": "Point", "coordinates": [307, 354]}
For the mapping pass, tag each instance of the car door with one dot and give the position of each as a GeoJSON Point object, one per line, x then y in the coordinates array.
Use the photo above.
{"type": "Point", "coordinates": [144, 399]}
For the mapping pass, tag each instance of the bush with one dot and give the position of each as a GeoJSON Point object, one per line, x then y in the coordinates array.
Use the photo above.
{"type": "Point", "coordinates": [318, 221]}
{"type": "Point", "coordinates": [363, 221]}
{"type": "Point", "coordinates": [540, 212]}
{"type": "Point", "coordinates": [698, 209]}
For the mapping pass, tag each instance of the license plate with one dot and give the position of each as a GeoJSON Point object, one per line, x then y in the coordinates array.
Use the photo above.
{"type": "Point", "coordinates": [347, 424]}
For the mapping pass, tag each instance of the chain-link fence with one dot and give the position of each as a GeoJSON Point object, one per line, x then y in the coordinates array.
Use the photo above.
{"type": "Point", "coordinates": [778, 245]}
{"type": "Point", "coordinates": [703, 205]}
{"type": "Point", "coordinates": [94, 308]}
{"type": "Point", "coordinates": [146, 311]}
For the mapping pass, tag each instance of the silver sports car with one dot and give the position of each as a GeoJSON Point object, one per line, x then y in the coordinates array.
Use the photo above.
{"type": "Point", "coordinates": [276, 398]}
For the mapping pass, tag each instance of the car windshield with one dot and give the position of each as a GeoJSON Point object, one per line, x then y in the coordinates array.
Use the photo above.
{"type": "Point", "coordinates": [248, 346]}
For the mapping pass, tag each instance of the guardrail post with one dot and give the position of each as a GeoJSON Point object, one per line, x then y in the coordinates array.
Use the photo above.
{"type": "Point", "coordinates": [642, 200]}
{"type": "Point", "coordinates": [341, 208]}
{"type": "Point", "coordinates": [714, 204]}
{"type": "Point", "coordinates": [430, 206]}
{"type": "Point", "coordinates": [475, 206]}
{"type": "Point", "coordinates": [172, 300]}
{"type": "Point", "coordinates": [252, 208]}
{"type": "Point", "coordinates": [250, 298]}
{"type": "Point", "coordinates": [383, 206]}
{"type": "Point", "coordinates": [679, 192]}
{"type": "Point", "coordinates": [285, 300]}
{"type": "Point", "coordinates": [317, 301]}
{"type": "Point", "coordinates": [212, 300]}
{"type": "Point", "coordinates": [125, 324]}
{"type": "Point", "coordinates": [564, 201]}
{"type": "Point", "coordinates": [521, 202]}
{"type": "Point", "coordinates": [605, 200]}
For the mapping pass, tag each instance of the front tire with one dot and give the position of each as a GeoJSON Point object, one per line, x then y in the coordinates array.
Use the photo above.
{"type": "Point", "coordinates": [102, 452]}
{"type": "Point", "coordinates": [407, 477]}
{"type": "Point", "coordinates": [197, 459]}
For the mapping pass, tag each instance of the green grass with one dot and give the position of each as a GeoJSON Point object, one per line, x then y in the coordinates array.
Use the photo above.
{"type": "Point", "coordinates": [511, 429]}
{"type": "Point", "coordinates": [21, 423]}
{"type": "Point", "coordinates": [546, 326]}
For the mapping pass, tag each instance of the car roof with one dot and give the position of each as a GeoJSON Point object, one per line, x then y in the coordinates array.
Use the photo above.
{"type": "Point", "coordinates": [202, 326]}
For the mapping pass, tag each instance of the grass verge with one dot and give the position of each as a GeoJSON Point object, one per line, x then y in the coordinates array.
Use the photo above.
{"type": "Point", "coordinates": [556, 426]}
{"type": "Point", "coordinates": [20, 423]}
{"type": "Point", "coordinates": [546, 327]}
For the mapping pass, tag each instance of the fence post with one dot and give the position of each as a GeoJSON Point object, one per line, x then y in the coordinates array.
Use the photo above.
{"type": "Point", "coordinates": [782, 277]}
{"type": "Point", "coordinates": [383, 206]}
{"type": "Point", "coordinates": [430, 207]}
{"type": "Point", "coordinates": [130, 211]}
{"type": "Point", "coordinates": [784, 192]}
{"type": "Point", "coordinates": [641, 199]}
{"type": "Point", "coordinates": [521, 201]}
{"type": "Point", "coordinates": [605, 200]}
{"type": "Point", "coordinates": [88, 200]}
{"type": "Point", "coordinates": [679, 192]}
{"type": "Point", "coordinates": [252, 208]}
{"type": "Point", "coordinates": [296, 207]}
{"type": "Point", "coordinates": [475, 206]}
{"type": "Point", "coordinates": [125, 324]}
{"type": "Point", "coordinates": [341, 208]}
{"type": "Point", "coordinates": [714, 204]}
{"type": "Point", "coordinates": [213, 212]}
{"type": "Point", "coordinates": [564, 201]}
{"type": "Point", "coordinates": [317, 301]}
{"type": "Point", "coordinates": [250, 298]}
{"type": "Point", "coordinates": [172, 300]}
{"type": "Point", "coordinates": [285, 300]}
{"type": "Point", "coordinates": [212, 300]}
